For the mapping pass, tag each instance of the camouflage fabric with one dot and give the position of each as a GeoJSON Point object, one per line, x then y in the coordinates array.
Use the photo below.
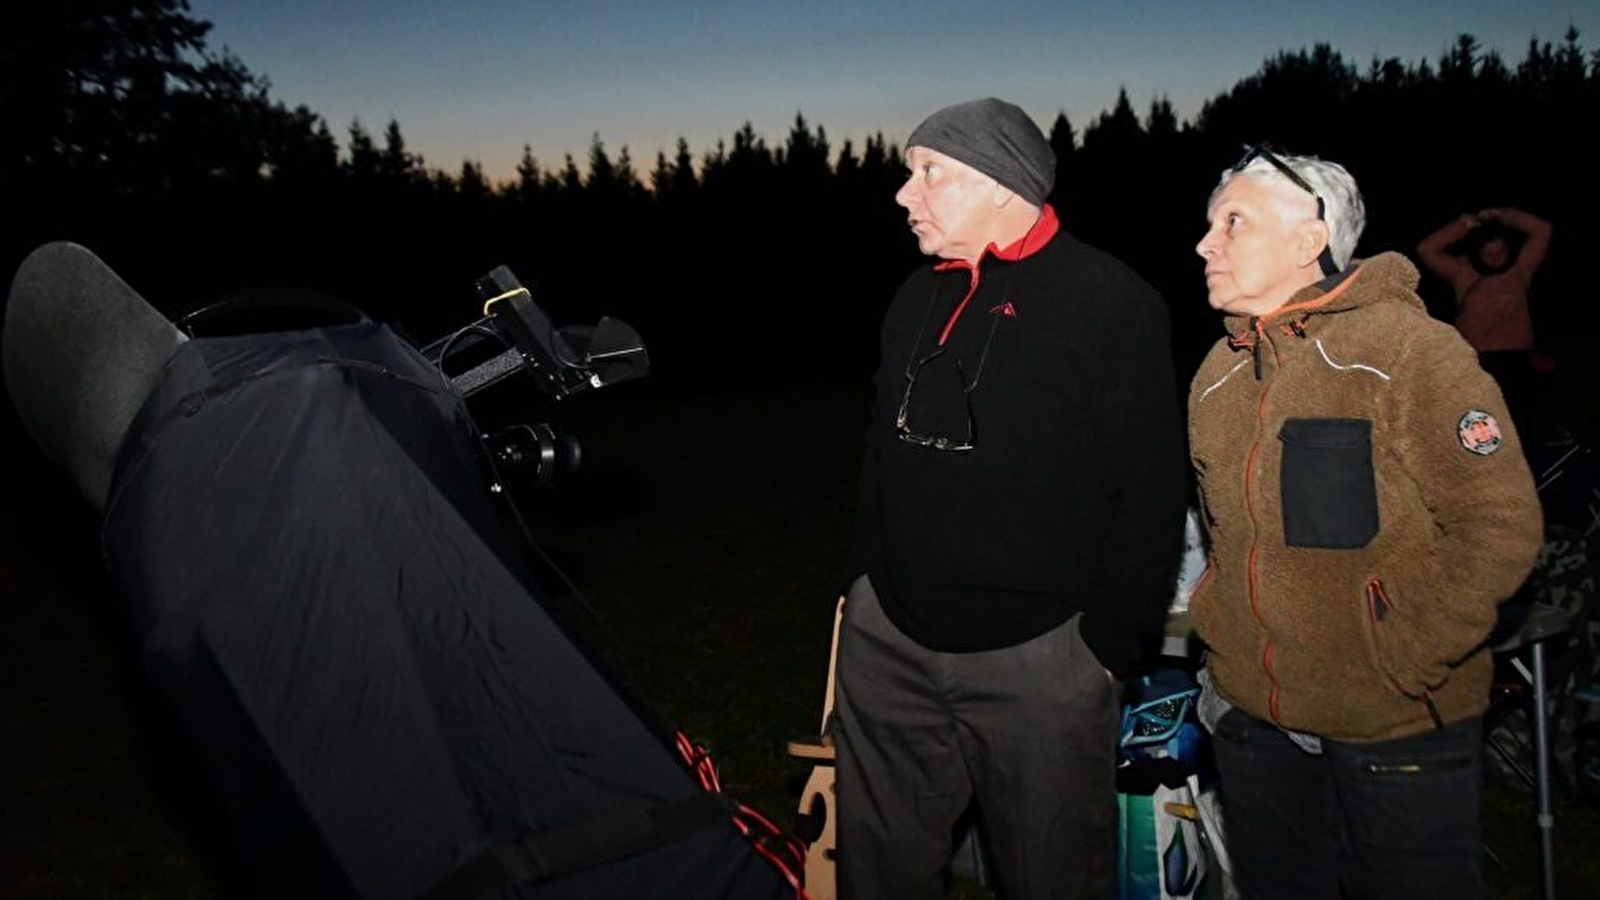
{"type": "Point", "coordinates": [1564, 577]}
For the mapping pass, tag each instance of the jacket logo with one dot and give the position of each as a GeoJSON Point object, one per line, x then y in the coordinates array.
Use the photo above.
{"type": "Point", "coordinates": [1004, 309]}
{"type": "Point", "coordinates": [1479, 432]}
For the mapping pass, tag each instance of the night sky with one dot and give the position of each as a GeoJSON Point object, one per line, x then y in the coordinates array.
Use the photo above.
{"type": "Point", "coordinates": [479, 79]}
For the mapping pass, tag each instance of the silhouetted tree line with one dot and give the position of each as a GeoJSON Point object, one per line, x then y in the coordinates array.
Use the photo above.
{"type": "Point", "coordinates": [750, 262]}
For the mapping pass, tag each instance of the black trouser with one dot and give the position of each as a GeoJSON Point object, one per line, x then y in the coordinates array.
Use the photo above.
{"type": "Point", "coordinates": [1030, 731]}
{"type": "Point", "coordinates": [1393, 819]}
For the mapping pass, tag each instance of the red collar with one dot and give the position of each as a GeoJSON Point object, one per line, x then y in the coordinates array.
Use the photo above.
{"type": "Point", "coordinates": [1037, 235]}
{"type": "Point", "coordinates": [1031, 242]}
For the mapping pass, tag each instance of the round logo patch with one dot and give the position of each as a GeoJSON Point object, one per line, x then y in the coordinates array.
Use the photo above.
{"type": "Point", "coordinates": [1479, 432]}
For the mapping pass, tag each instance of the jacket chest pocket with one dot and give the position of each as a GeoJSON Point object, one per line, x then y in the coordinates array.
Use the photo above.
{"type": "Point", "coordinates": [1329, 495]}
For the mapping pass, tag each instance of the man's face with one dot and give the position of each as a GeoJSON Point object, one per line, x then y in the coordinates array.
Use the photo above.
{"type": "Point", "coordinates": [1255, 258]}
{"type": "Point", "coordinates": [949, 205]}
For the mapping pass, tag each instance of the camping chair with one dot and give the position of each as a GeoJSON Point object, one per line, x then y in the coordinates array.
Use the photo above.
{"type": "Point", "coordinates": [1542, 626]}
{"type": "Point", "coordinates": [1545, 646]}
{"type": "Point", "coordinates": [817, 823]}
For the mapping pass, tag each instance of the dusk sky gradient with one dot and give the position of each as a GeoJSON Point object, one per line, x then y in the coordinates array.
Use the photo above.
{"type": "Point", "coordinates": [479, 79]}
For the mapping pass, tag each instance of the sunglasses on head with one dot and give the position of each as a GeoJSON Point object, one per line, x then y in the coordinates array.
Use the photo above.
{"type": "Point", "coordinates": [1264, 152]}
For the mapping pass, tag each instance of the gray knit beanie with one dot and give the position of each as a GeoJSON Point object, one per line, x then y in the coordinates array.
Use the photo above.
{"type": "Point", "coordinates": [996, 138]}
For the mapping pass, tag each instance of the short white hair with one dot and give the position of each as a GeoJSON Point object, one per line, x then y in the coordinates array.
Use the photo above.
{"type": "Point", "coordinates": [1342, 207]}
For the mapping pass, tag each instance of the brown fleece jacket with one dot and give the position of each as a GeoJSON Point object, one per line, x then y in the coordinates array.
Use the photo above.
{"type": "Point", "coordinates": [1368, 506]}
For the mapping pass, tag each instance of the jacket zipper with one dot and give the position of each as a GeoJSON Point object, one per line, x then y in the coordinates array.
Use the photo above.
{"type": "Point", "coordinates": [1417, 768]}
{"type": "Point", "coordinates": [1378, 602]}
{"type": "Point", "coordinates": [1255, 530]}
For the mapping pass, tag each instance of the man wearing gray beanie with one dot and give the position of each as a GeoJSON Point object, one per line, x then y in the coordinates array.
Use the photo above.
{"type": "Point", "coordinates": [1018, 527]}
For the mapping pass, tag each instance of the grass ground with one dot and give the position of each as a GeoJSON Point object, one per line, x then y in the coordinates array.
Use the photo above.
{"type": "Point", "coordinates": [705, 536]}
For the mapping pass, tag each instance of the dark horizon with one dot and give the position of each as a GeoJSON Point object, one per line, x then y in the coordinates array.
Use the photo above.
{"type": "Point", "coordinates": [201, 185]}
{"type": "Point", "coordinates": [479, 79]}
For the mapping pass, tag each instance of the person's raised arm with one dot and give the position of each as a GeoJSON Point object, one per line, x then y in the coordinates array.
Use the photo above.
{"type": "Point", "coordinates": [1538, 231]}
{"type": "Point", "coordinates": [1431, 251]}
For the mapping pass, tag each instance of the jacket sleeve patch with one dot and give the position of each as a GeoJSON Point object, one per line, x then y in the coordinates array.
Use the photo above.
{"type": "Point", "coordinates": [1479, 432]}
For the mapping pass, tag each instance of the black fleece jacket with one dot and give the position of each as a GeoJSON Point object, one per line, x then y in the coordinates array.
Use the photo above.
{"type": "Point", "coordinates": [1073, 495]}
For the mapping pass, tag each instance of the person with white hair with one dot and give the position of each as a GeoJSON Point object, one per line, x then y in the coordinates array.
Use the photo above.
{"type": "Point", "coordinates": [1368, 507]}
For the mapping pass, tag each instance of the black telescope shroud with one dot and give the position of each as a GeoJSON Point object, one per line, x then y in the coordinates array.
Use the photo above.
{"type": "Point", "coordinates": [301, 527]}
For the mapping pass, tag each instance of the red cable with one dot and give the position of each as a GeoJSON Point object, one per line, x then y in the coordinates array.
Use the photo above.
{"type": "Point", "coordinates": [705, 771]}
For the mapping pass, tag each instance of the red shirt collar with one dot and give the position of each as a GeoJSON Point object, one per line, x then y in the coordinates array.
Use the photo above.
{"type": "Point", "coordinates": [1030, 243]}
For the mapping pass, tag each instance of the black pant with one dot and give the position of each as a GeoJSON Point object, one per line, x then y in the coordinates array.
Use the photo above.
{"type": "Point", "coordinates": [1393, 819]}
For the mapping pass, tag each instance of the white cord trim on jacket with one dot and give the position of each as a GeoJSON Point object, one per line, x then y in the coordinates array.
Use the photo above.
{"type": "Point", "coordinates": [1207, 391]}
{"type": "Point", "coordinates": [1366, 368]}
